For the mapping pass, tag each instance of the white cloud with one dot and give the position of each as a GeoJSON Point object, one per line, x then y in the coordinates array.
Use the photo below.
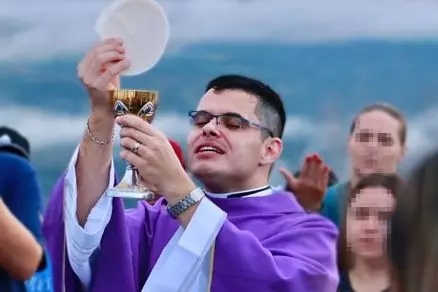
{"type": "Point", "coordinates": [48, 129]}
{"type": "Point", "coordinates": [46, 28]}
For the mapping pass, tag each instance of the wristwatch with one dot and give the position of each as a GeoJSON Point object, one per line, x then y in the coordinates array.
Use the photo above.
{"type": "Point", "coordinates": [177, 209]}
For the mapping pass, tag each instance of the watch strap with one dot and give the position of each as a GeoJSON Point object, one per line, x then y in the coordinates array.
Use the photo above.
{"type": "Point", "coordinates": [180, 207]}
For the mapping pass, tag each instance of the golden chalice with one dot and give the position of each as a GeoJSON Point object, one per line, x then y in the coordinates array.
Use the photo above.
{"type": "Point", "coordinates": [142, 103]}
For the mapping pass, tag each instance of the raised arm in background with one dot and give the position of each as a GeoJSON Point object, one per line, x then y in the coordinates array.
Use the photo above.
{"type": "Point", "coordinates": [20, 252]}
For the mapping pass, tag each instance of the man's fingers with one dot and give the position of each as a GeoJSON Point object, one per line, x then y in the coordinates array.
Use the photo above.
{"type": "Point", "coordinates": [135, 134]}
{"type": "Point", "coordinates": [113, 70]}
{"type": "Point", "coordinates": [131, 157]}
{"type": "Point", "coordinates": [101, 47]}
{"type": "Point", "coordinates": [112, 41]}
{"type": "Point", "coordinates": [102, 62]}
{"type": "Point", "coordinates": [113, 47]}
{"type": "Point", "coordinates": [132, 121]}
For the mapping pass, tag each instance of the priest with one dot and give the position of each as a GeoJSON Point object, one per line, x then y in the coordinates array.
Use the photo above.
{"type": "Point", "coordinates": [233, 234]}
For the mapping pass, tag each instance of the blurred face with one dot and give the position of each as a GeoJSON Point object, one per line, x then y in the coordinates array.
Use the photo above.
{"type": "Point", "coordinates": [375, 145]}
{"type": "Point", "coordinates": [221, 153]}
{"type": "Point", "coordinates": [367, 222]}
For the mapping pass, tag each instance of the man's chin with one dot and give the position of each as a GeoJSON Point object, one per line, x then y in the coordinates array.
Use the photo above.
{"type": "Point", "coordinates": [204, 169]}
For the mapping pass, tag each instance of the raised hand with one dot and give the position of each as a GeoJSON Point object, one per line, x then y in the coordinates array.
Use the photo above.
{"type": "Point", "coordinates": [311, 185]}
{"type": "Point", "coordinates": [99, 72]}
{"type": "Point", "coordinates": [100, 69]}
{"type": "Point", "coordinates": [151, 153]}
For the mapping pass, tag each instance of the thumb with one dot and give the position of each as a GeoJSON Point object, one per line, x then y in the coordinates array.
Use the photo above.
{"type": "Point", "coordinates": [289, 177]}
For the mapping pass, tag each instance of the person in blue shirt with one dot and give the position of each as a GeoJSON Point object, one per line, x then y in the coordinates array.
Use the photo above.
{"type": "Point", "coordinates": [21, 197]}
{"type": "Point", "coordinates": [376, 144]}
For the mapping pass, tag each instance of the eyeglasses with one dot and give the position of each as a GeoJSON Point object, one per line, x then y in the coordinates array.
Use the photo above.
{"type": "Point", "coordinates": [231, 121]}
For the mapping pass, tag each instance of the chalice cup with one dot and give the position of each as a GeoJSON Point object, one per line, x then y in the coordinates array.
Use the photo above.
{"type": "Point", "coordinates": [142, 103]}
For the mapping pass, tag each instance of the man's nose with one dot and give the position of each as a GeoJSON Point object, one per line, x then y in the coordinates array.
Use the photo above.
{"type": "Point", "coordinates": [211, 128]}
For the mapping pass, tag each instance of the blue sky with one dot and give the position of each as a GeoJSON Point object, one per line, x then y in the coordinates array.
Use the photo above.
{"type": "Point", "coordinates": [43, 30]}
{"type": "Point", "coordinates": [47, 28]}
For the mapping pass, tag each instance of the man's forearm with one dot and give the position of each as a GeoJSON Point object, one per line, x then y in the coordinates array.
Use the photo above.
{"type": "Point", "coordinates": [20, 253]}
{"type": "Point", "coordinates": [94, 162]}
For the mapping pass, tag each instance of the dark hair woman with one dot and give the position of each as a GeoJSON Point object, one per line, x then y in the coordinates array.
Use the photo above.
{"type": "Point", "coordinates": [363, 261]}
{"type": "Point", "coordinates": [413, 244]}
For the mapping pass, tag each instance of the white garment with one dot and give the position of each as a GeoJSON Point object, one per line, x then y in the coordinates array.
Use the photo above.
{"type": "Point", "coordinates": [187, 249]}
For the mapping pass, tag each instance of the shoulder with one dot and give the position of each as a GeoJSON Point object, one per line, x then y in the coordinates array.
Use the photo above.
{"type": "Point", "coordinates": [331, 204]}
{"type": "Point", "coordinates": [299, 222]}
{"type": "Point", "coordinates": [332, 191]}
{"type": "Point", "coordinates": [335, 192]}
{"type": "Point", "coordinates": [15, 164]}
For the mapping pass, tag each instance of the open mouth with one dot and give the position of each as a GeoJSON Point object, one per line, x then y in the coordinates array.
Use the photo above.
{"type": "Point", "coordinates": [209, 148]}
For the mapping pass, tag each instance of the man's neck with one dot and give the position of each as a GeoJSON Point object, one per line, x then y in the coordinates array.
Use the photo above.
{"type": "Point", "coordinates": [255, 192]}
{"type": "Point", "coordinates": [224, 189]}
{"type": "Point", "coordinates": [228, 186]}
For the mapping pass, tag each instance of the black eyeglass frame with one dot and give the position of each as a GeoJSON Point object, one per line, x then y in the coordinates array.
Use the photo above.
{"type": "Point", "coordinates": [245, 123]}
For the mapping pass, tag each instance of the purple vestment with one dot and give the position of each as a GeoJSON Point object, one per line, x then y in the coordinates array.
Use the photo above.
{"type": "Point", "coordinates": [266, 244]}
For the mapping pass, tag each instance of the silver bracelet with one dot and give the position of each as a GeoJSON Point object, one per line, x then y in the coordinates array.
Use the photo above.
{"type": "Point", "coordinates": [94, 139]}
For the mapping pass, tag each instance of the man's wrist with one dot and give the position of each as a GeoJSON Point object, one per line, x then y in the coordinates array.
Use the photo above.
{"type": "Point", "coordinates": [101, 114]}
{"type": "Point", "coordinates": [180, 192]}
{"type": "Point", "coordinates": [100, 126]}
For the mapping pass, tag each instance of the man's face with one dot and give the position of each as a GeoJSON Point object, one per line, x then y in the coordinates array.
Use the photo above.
{"type": "Point", "coordinates": [242, 151]}
{"type": "Point", "coordinates": [375, 144]}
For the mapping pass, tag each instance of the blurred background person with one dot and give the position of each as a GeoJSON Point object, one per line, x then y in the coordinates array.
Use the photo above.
{"type": "Point", "coordinates": [413, 244]}
{"type": "Point", "coordinates": [20, 253]}
{"type": "Point", "coordinates": [21, 243]}
{"type": "Point", "coordinates": [363, 260]}
{"type": "Point", "coordinates": [377, 144]}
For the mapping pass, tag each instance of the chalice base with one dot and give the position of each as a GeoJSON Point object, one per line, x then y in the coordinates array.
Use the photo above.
{"type": "Point", "coordinates": [130, 188]}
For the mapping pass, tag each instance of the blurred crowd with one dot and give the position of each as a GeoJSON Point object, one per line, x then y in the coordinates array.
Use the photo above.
{"type": "Point", "coordinates": [371, 232]}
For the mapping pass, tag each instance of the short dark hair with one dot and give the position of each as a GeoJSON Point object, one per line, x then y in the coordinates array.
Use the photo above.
{"type": "Point", "coordinates": [14, 142]}
{"type": "Point", "coordinates": [388, 109]}
{"type": "Point", "coordinates": [270, 108]}
{"type": "Point", "coordinates": [392, 182]}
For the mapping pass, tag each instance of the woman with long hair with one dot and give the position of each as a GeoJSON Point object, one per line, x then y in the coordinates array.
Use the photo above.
{"type": "Point", "coordinates": [413, 244]}
{"type": "Point", "coordinates": [363, 261]}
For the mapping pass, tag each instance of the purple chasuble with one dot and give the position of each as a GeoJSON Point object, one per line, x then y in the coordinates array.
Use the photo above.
{"type": "Point", "coordinates": [267, 243]}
